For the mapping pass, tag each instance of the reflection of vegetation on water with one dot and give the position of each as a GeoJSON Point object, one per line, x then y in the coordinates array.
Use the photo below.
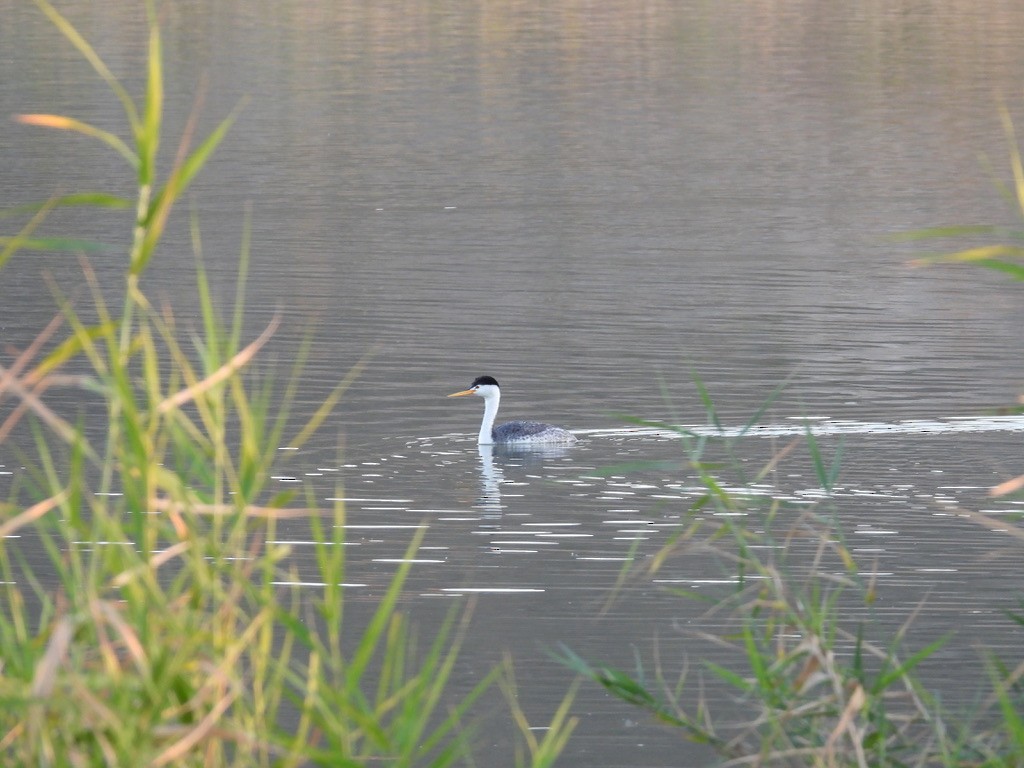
{"type": "Point", "coordinates": [157, 631]}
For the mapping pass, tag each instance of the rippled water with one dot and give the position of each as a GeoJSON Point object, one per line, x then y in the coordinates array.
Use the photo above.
{"type": "Point", "coordinates": [498, 511]}
{"type": "Point", "coordinates": [542, 538]}
{"type": "Point", "coordinates": [591, 204]}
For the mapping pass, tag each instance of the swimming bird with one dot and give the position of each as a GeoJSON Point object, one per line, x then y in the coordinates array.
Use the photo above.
{"type": "Point", "coordinates": [515, 432]}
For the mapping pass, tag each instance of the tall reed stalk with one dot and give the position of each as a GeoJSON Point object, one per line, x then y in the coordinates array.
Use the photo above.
{"type": "Point", "coordinates": [156, 630]}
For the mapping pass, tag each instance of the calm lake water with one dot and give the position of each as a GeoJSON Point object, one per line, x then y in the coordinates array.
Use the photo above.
{"type": "Point", "coordinates": [590, 202]}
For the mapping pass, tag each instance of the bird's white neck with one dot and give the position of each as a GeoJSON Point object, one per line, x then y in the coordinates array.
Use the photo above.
{"type": "Point", "coordinates": [490, 412]}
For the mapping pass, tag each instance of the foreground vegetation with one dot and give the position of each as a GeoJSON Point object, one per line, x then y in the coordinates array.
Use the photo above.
{"type": "Point", "coordinates": [156, 630]}
{"type": "Point", "coordinates": [816, 677]}
{"type": "Point", "coordinates": [816, 689]}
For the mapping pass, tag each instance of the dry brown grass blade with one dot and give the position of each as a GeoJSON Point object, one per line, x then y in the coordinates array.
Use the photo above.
{"type": "Point", "coordinates": [847, 724]}
{"type": "Point", "coordinates": [56, 651]}
{"type": "Point", "coordinates": [222, 373]}
{"type": "Point", "coordinates": [129, 639]}
{"type": "Point", "coordinates": [39, 386]}
{"type": "Point", "coordinates": [1007, 487]}
{"type": "Point", "coordinates": [152, 564]}
{"type": "Point", "coordinates": [808, 674]}
{"type": "Point", "coordinates": [32, 350]}
{"type": "Point", "coordinates": [1004, 685]}
{"type": "Point", "coordinates": [779, 456]}
{"type": "Point", "coordinates": [68, 433]}
{"type": "Point", "coordinates": [181, 747]}
{"type": "Point", "coordinates": [779, 756]}
{"type": "Point", "coordinates": [217, 678]}
{"type": "Point", "coordinates": [9, 379]}
{"type": "Point", "coordinates": [12, 735]}
{"type": "Point", "coordinates": [31, 514]}
{"type": "Point", "coordinates": [166, 505]}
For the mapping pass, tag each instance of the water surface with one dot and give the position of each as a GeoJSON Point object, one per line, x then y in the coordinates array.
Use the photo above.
{"type": "Point", "coordinates": [590, 204]}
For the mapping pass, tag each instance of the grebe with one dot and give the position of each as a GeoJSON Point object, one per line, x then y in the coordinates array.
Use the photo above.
{"type": "Point", "coordinates": [512, 431]}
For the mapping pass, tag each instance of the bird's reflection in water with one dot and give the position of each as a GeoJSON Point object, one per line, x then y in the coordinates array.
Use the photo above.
{"type": "Point", "coordinates": [492, 472]}
{"type": "Point", "coordinates": [491, 478]}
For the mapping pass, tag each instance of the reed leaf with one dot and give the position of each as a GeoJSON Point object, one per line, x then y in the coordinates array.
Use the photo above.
{"type": "Point", "coordinates": [148, 137]}
{"type": "Point", "coordinates": [222, 374]}
{"type": "Point", "coordinates": [87, 199]}
{"type": "Point", "coordinates": [11, 244]}
{"type": "Point", "coordinates": [372, 635]}
{"type": "Point", "coordinates": [71, 124]}
{"type": "Point", "coordinates": [977, 254]}
{"type": "Point", "coordinates": [1016, 271]}
{"type": "Point", "coordinates": [932, 233]}
{"type": "Point", "coordinates": [72, 347]}
{"type": "Point", "coordinates": [178, 182]}
{"type": "Point", "coordinates": [319, 416]}
{"type": "Point", "coordinates": [94, 60]}
{"type": "Point", "coordinates": [158, 632]}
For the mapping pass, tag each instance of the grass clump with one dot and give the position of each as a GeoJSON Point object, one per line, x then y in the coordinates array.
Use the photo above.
{"type": "Point", "coordinates": [159, 628]}
{"type": "Point", "coordinates": [812, 676]}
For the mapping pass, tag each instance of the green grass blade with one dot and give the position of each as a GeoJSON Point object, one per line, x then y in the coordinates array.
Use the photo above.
{"type": "Point", "coordinates": [73, 346]}
{"type": "Point", "coordinates": [615, 681]}
{"type": "Point", "coordinates": [177, 184]}
{"type": "Point", "coordinates": [731, 677]}
{"type": "Point", "coordinates": [1016, 271]}
{"type": "Point", "coordinates": [10, 246]}
{"type": "Point", "coordinates": [94, 199]}
{"type": "Point", "coordinates": [978, 253]}
{"type": "Point", "coordinates": [709, 404]}
{"type": "Point", "coordinates": [50, 244]}
{"type": "Point", "coordinates": [374, 632]}
{"type": "Point", "coordinates": [241, 279]}
{"type": "Point", "coordinates": [772, 397]}
{"type": "Point", "coordinates": [888, 677]}
{"type": "Point", "coordinates": [932, 233]}
{"type": "Point", "coordinates": [93, 58]}
{"type": "Point", "coordinates": [1015, 161]}
{"type": "Point", "coordinates": [328, 405]}
{"type": "Point", "coordinates": [826, 475]}
{"type": "Point", "coordinates": [756, 660]}
{"type": "Point", "coordinates": [148, 138]}
{"type": "Point", "coordinates": [186, 172]}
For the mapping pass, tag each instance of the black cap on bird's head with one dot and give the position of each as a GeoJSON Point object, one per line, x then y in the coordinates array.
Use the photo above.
{"type": "Point", "coordinates": [479, 381]}
{"type": "Point", "coordinates": [476, 388]}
